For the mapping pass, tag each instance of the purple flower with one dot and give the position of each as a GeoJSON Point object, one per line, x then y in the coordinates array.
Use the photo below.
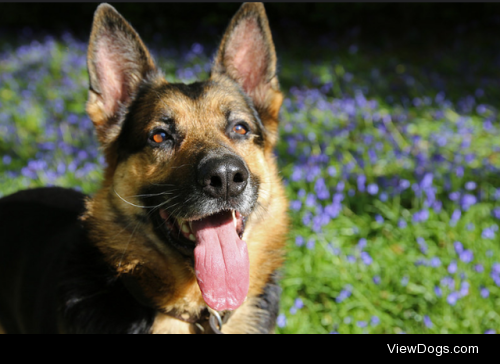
{"type": "Point", "coordinates": [470, 186]}
{"type": "Point", "coordinates": [448, 282]}
{"type": "Point", "coordinates": [298, 304]}
{"type": "Point", "coordinates": [485, 293]}
{"type": "Point", "coordinates": [332, 172]}
{"type": "Point", "coordinates": [404, 184]}
{"type": "Point", "coordinates": [366, 258]}
{"type": "Point", "coordinates": [467, 201]}
{"type": "Point", "coordinates": [310, 244]}
{"type": "Point", "coordinates": [452, 268]}
{"type": "Point", "coordinates": [452, 298]}
{"type": "Point", "coordinates": [459, 248]}
{"type": "Point", "coordinates": [427, 322]}
{"type": "Point", "coordinates": [377, 280]}
{"type": "Point", "coordinates": [423, 246]}
{"type": "Point", "coordinates": [321, 189]}
{"type": "Point", "coordinates": [361, 182]}
{"type": "Point", "coordinates": [296, 205]}
{"type": "Point", "coordinates": [379, 219]}
{"type": "Point", "coordinates": [374, 321]}
{"type": "Point", "coordinates": [455, 217]}
{"type": "Point", "coordinates": [490, 332]}
{"type": "Point", "coordinates": [362, 324]}
{"type": "Point", "coordinates": [281, 321]}
{"type": "Point", "coordinates": [402, 224]}
{"type": "Point", "coordinates": [306, 220]}
{"type": "Point", "coordinates": [435, 262]}
{"type": "Point", "coordinates": [454, 196]}
{"type": "Point", "coordinates": [438, 291]}
{"type": "Point", "coordinates": [333, 210]}
{"type": "Point", "coordinates": [7, 159]}
{"type": "Point", "coordinates": [464, 289]}
{"type": "Point", "coordinates": [488, 233]}
{"type": "Point", "coordinates": [362, 243]}
{"type": "Point", "coordinates": [404, 281]}
{"type": "Point", "coordinates": [372, 188]}
{"type": "Point", "coordinates": [420, 216]}
{"type": "Point", "coordinates": [333, 250]}
{"type": "Point", "coordinates": [467, 256]}
{"type": "Point", "coordinates": [299, 240]}
{"type": "Point", "coordinates": [496, 212]}
{"type": "Point", "coordinates": [479, 268]}
{"type": "Point", "coordinates": [310, 200]}
{"type": "Point", "coordinates": [344, 294]}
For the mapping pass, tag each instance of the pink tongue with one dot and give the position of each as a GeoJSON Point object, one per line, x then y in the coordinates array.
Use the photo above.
{"type": "Point", "coordinates": [221, 262]}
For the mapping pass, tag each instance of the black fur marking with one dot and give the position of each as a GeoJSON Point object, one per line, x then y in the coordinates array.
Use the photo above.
{"type": "Point", "coordinates": [52, 278]}
{"type": "Point", "coordinates": [194, 90]}
{"type": "Point", "coordinates": [269, 301]}
{"type": "Point", "coordinates": [93, 300]}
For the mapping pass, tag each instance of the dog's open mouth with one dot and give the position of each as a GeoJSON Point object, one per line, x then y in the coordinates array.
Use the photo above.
{"type": "Point", "coordinates": [221, 260]}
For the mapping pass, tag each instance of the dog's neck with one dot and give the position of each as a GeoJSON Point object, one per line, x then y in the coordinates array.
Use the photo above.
{"type": "Point", "coordinates": [162, 278]}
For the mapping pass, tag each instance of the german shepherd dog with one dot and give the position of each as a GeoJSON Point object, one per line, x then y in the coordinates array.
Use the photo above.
{"type": "Point", "coordinates": [187, 231]}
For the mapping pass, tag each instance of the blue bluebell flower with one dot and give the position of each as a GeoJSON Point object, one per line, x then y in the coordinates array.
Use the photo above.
{"type": "Point", "coordinates": [372, 189]}
{"type": "Point", "coordinates": [374, 321]}
{"type": "Point", "coordinates": [405, 280]}
{"type": "Point", "coordinates": [455, 217]}
{"type": "Point", "coordinates": [362, 324]}
{"type": "Point", "coordinates": [366, 258]}
{"type": "Point", "coordinates": [452, 268]}
{"type": "Point", "coordinates": [362, 243]}
{"type": "Point", "coordinates": [488, 233]}
{"type": "Point", "coordinates": [427, 322]}
{"type": "Point", "coordinates": [467, 256]}
{"type": "Point", "coordinates": [438, 291]}
{"type": "Point", "coordinates": [453, 298]}
{"type": "Point", "coordinates": [281, 321]}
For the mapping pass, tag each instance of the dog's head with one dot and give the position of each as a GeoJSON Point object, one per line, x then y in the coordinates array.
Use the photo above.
{"type": "Point", "coordinates": [190, 167]}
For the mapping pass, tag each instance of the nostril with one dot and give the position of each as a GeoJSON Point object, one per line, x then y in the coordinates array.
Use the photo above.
{"type": "Point", "coordinates": [238, 178]}
{"type": "Point", "coordinates": [216, 181]}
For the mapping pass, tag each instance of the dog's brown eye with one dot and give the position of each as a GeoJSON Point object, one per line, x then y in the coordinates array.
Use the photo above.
{"type": "Point", "coordinates": [240, 129]}
{"type": "Point", "coordinates": [159, 137]}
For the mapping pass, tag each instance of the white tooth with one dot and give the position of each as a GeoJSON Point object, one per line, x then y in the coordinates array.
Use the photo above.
{"type": "Point", "coordinates": [234, 219]}
{"type": "Point", "coordinates": [185, 228]}
{"type": "Point", "coordinates": [191, 237]}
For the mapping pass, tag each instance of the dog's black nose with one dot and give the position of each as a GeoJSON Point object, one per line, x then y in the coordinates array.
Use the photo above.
{"type": "Point", "coordinates": [223, 176]}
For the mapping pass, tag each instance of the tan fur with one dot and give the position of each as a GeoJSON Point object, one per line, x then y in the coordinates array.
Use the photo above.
{"type": "Point", "coordinates": [129, 243]}
{"type": "Point", "coordinates": [169, 325]}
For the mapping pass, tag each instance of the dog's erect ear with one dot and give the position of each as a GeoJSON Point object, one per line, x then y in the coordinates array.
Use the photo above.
{"type": "Point", "coordinates": [118, 61]}
{"type": "Point", "coordinates": [247, 55]}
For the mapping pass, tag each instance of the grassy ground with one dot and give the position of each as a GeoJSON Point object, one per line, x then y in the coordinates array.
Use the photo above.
{"type": "Point", "coordinates": [390, 158]}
